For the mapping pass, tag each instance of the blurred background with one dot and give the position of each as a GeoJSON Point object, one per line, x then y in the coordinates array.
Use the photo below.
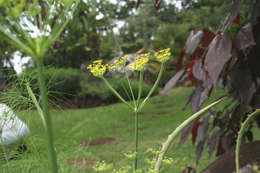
{"type": "Point", "coordinates": [106, 30]}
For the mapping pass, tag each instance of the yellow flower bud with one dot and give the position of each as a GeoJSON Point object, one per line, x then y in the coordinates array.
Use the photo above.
{"type": "Point", "coordinates": [163, 55]}
{"type": "Point", "coordinates": [97, 68]}
{"type": "Point", "coordinates": [140, 62]}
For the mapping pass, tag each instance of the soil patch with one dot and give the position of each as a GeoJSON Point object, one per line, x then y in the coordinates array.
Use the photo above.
{"type": "Point", "coordinates": [82, 161]}
{"type": "Point", "coordinates": [99, 141]}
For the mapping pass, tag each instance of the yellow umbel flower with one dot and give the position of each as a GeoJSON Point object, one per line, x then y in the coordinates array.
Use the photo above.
{"type": "Point", "coordinates": [114, 66]}
{"type": "Point", "coordinates": [163, 55]}
{"type": "Point", "coordinates": [140, 62]}
{"type": "Point", "coordinates": [97, 68]}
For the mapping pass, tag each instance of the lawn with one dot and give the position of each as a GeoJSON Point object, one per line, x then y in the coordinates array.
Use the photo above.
{"type": "Point", "coordinates": [74, 129]}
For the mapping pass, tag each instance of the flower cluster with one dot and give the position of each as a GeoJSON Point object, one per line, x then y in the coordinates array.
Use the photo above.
{"type": "Point", "coordinates": [140, 62]}
{"type": "Point", "coordinates": [97, 68]}
{"type": "Point", "coordinates": [163, 55]}
{"type": "Point", "coordinates": [117, 63]}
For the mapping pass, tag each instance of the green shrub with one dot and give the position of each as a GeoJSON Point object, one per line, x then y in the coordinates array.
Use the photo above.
{"type": "Point", "coordinates": [64, 81]}
{"type": "Point", "coordinates": [96, 91]}
{"type": "Point", "coordinates": [62, 84]}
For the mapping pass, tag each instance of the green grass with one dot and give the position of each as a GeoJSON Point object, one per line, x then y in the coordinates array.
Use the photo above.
{"type": "Point", "coordinates": [73, 127]}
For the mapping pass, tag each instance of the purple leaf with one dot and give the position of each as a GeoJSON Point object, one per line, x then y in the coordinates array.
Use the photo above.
{"type": "Point", "coordinates": [194, 130]}
{"type": "Point", "coordinates": [208, 36]}
{"type": "Point", "coordinates": [227, 141]}
{"type": "Point", "coordinates": [255, 102]}
{"type": "Point", "coordinates": [198, 71]}
{"type": "Point", "coordinates": [217, 56]}
{"type": "Point", "coordinates": [189, 99]}
{"type": "Point", "coordinates": [138, 3]}
{"type": "Point", "coordinates": [244, 38]}
{"type": "Point", "coordinates": [199, 150]}
{"type": "Point", "coordinates": [172, 82]}
{"type": "Point", "coordinates": [157, 4]}
{"type": "Point", "coordinates": [200, 74]}
{"type": "Point", "coordinates": [195, 100]}
{"type": "Point", "coordinates": [242, 81]}
{"type": "Point", "coordinates": [249, 135]}
{"type": "Point", "coordinates": [212, 142]}
{"type": "Point", "coordinates": [236, 8]}
{"type": "Point", "coordinates": [185, 133]}
{"type": "Point", "coordinates": [203, 128]}
{"type": "Point", "coordinates": [194, 42]}
{"type": "Point", "coordinates": [188, 41]}
{"type": "Point", "coordinates": [204, 95]}
{"type": "Point", "coordinates": [199, 95]}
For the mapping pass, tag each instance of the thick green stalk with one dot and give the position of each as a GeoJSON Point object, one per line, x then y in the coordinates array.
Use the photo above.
{"type": "Point", "coordinates": [46, 112]}
{"type": "Point", "coordinates": [240, 134]}
{"type": "Point", "coordinates": [136, 141]}
{"type": "Point", "coordinates": [166, 144]}
{"type": "Point", "coordinates": [116, 93]}
{"type": "Point", "coordinates": [154, 87]}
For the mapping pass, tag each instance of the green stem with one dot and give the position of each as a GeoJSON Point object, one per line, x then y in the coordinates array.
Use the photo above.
{"type": "Point", "coordinates": [36, 104]}
{"type": "Point", "coordinates": [131, 90]}
{"type": "Point", "coordinates": [46, 112]}
{"type": "Point", "coordinates": [166, 144]}
{"type": "Point", "coordinates": [153, 88]}
{"type": "Point", "coordinates": [136, 141]}
{"type": "Point", "coordinates": [140, 87]}
{"type": "Point", "coordinates": [240, 134]}
{"type": "Point", "coordinates": [116, 93]}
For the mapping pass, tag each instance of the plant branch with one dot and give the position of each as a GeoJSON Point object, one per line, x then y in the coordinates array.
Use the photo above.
{"type": "Point", "coordinates": [131, 90]}
{"type": "Point", "coordinates": [166, 144]}
{"type": "Point", "coordinates": [240, 134]}
{"type": "Point", "coordinates": [116, 93]}
{"type": "Point", "coordinates": [153, 88]}
{"type": "Point", "coordinates": [140, 87]}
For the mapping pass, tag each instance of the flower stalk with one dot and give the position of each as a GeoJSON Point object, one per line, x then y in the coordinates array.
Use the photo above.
{"type": "Point", "coordinates": [153, 88]}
